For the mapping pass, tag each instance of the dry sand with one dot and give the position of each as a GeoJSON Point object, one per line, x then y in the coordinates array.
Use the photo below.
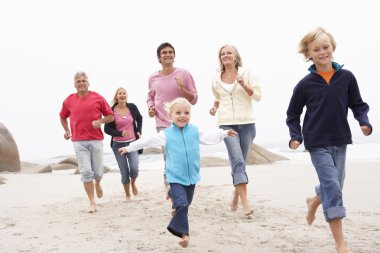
{"type": "Point", "coordinates": [47, 213]}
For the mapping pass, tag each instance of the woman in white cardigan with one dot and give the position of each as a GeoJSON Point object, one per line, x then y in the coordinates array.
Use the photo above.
{"type": "Point", "coordinates": [235, 88]}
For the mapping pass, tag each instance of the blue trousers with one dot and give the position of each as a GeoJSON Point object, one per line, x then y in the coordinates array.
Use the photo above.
{"type": "Point", "coordinates": [182, 195]}
{"type": "Point", "coordinates": [128, 163]}
{"type": "Point", "coordinates": [238, 147]}
{"type": "Point", "coordinates": [329, 162]}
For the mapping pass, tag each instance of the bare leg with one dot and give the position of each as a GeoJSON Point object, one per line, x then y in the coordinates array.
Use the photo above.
{"type": "Point", "coordinates": [99, 190]}
{"type": "Point", "coordinates": [127, 193]}
{"type": "Point", "coordinates": [89, 188]}
{"type": "Point", "coordinates": [184, 241]}
{"type": "Point", "coordinates": [312, 206]}
{"type": "Point", "coordinates": [235, 201]}
{"type": "Point", "coordinates": [241, 189]}
{"type": "Point", "coordinates": [134, 188]}
{"type": "Point", "coordinates": [336, 228]}
{"type": "Point", "coordinates": [167, 186]}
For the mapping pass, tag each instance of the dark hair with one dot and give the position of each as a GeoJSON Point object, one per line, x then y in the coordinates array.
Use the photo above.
{"type": "Point", "coordinates": [162, 46]}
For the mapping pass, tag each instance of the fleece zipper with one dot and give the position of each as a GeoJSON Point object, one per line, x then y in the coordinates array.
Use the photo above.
{"type": "Point", "coordinates": [187, 157]}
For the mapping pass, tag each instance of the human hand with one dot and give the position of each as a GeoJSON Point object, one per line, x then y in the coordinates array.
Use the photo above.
{"type": "Point", "coordinates": [96, 123]}
{"type": "Point", "coordinates": [213, 111]}
{"type": "Point", "coordinates": [179, 82]}
{"type": "Point", "coordinates": [67, 135]}
{"type": "Point", "coordinates": [123, 151]}
{"type": "Point", "coordinates": [294, 144]}
{"type": "Point", "coordinates": [366, 130]}
{"type": "Point", "coordinates": [240, 79]}
{"type": "Point", "coordinates": [232, 133]}
{"type": "Point", "coordinates": [152, 111]}
{"type": "Point", "coordinates": [125, 133]}
{"type": "Point", "coordinates": [138, 135]}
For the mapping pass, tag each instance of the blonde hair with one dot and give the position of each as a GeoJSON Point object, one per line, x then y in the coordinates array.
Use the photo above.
{"type": "Point", "coordinates": [169, 106]}
{"type": "Point", "coordinates": [114, 99]}
{"type": "Point", "coordinates": [238, 62]}
{"type": "Point", "coordinates": [312, 36]}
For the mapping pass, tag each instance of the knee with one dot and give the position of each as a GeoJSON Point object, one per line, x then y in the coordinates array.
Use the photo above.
{"type": "Point", "coordinates": [87, 176]}
{"type": "Point", "coordinates": [134, 172]}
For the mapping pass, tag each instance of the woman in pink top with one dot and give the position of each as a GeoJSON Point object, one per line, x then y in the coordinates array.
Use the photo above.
{"type": "Point", "coordinates": [125, 129]}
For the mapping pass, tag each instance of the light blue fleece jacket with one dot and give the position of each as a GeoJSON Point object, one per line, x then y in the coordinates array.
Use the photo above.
{"type": "Point", "coordinates": [182, 154]}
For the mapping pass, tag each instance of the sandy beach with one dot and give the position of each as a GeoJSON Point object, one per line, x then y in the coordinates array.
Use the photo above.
{"type": "Point", "coordinates": [47, 213]}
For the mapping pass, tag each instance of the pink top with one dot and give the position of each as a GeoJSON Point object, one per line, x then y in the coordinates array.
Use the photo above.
{"type": "Point", "coordinates": [124, 123]}
{"type": "Point", "coordinates": [82, 111]}
{"type": "Point", "coordinates": [164, 89]}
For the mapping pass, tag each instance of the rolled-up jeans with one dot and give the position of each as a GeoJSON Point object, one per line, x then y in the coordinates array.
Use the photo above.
{"type": "Point", "coordinates": [238, 147]}
{"type": "Point", "coordinates": [128, 163]}
{"type": "Point", "coordinates": [90, 159]}
{"type": "Point", "coordinates": [329, 163]}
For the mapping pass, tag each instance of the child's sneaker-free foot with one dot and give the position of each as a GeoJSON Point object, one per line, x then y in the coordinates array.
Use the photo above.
{"type": "Point", "coordinates": [185, 241]}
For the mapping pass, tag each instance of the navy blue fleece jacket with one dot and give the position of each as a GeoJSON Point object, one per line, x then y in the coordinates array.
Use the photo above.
{"type": "Point", "coordinates": [325, 122]}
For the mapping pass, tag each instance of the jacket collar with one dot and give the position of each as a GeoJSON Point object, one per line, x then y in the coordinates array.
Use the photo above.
{"type": "Point", "coordinates": [176, 127]}
{"type": "Point", "coordinates": [335, 66]}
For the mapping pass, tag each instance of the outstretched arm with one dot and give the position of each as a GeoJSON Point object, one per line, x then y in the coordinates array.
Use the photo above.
{"type": "Point", "coordinates": [156, 140]}
{"type": "Point", "coordinates": [215, 137]}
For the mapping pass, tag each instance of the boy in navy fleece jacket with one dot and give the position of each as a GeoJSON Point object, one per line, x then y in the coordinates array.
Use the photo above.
{"type": "Point", "coordinates": [327, 92]}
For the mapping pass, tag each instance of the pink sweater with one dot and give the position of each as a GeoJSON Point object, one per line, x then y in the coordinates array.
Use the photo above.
{"type": "Point", "coordinates": [164, 89]}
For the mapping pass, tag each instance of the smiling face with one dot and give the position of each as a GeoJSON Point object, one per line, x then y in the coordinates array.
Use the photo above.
{"type": "Point", "coordinates": [167, 56]}
{"type": "Point", "coordinates": [121, 95]}
{"type": "Point", "coordinates": [180, 114]}
{"type": "Point", "coordinates": [320, 51]}
{"type": "Point", "coordinates": [81, 84]}
{"type": "Point", "coordinates": [227, 56]}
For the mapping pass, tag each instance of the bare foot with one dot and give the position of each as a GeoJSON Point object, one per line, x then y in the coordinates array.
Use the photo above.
{"type": "Point", "coordinates": [311, 209]}
{"type": "Point", "coordinates": [92, 209]}
{"type": "Point", "coordinates": [99, 190]}
{"type": "Point", "coordinates": [134, 190]}
{"type": "Point", "coordinates": [127, 199]}
{"type": "Point", "coordinates": [343, 248]}
{"type": "Point", "coordinates": [185, 241]}
{"type": "Point", "coordinates": [167, 192]}
{"type": "Point", "coordinates": [235, 202]}
{"type": "Point", "coordinates": [248, 214]}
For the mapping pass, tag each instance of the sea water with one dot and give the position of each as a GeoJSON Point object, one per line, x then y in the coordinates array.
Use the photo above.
{"type": "Point", "coordinates": [363, 152]}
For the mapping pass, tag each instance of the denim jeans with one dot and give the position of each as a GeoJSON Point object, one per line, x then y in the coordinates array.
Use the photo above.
{"type": "Point", "coordinates": [181, 195]}
{"type": "Point", "coordinates": [238, 148]}
{"type": "Point", "coordinates": [128, 163]}
{"type": "Point", "coordinates": [90, 159]}
{"type": "Point", "coordinates": [329, 162]}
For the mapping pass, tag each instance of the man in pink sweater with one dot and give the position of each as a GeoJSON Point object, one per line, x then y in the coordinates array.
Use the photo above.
{"type": "Point", "coordinates": [167, 84]}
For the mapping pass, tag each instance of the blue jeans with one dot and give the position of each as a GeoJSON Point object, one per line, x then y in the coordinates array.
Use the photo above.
{"type": "Point", "coordinates": [128, 163]}
{"type": "Point", "coordinates": [329, 162]}
{"type": "Point", "coordinates": [90, 159]}
{"type": "Point", "coordinates": [238, 148]}
{"type": "Point", "coordinates": [181, 195]}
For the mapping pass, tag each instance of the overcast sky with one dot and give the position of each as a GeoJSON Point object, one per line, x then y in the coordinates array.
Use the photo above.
{"type": "Point", "coordinates": [44, 42]}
